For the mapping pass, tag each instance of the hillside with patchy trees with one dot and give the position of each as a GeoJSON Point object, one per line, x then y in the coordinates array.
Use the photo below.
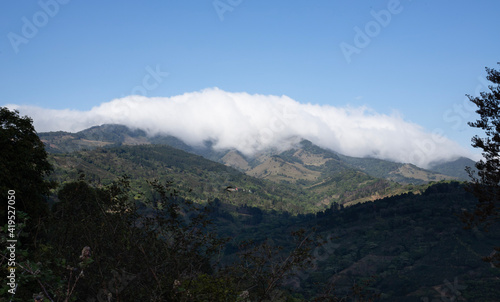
{"type": "Point", "coordinates": [153, 222]}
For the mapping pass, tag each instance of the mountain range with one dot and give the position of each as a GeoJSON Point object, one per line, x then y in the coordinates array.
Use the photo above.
{"type": "Point", "coordinates": [319, 176]}
{"type": "Point", "coordinates": [304, 154]}
{"type": "Point", "coordinates": [408, 244]}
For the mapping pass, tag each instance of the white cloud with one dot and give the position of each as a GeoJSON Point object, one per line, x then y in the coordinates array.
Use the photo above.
{"type": "Point", "coordinates": [251, 123]}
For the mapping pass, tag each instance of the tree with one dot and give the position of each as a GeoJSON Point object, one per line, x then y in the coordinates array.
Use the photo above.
{"type": "Point", "coordinates": [263, 269]}
{"type": "Point", "coordinates": [24, 165]}
{"type": "Point", "coordinates": [486, 185]}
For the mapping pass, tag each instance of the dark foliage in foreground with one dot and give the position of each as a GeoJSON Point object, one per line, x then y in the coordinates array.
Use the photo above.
{"type": "Point", "coordinates": [486, 185]}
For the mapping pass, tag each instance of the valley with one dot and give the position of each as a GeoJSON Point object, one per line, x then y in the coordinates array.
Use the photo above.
{"type": "Point", "coordinates": [318, 176]}
{"type": "Point", "coordinates": [390, 226]}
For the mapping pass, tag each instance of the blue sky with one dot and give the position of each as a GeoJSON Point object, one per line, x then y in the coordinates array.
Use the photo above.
{"type": "Point", "coordinates": [418, 58]}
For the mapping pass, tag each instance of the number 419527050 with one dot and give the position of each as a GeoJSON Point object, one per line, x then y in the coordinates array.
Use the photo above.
{"type": "Point", "coordinates": [11, 212]}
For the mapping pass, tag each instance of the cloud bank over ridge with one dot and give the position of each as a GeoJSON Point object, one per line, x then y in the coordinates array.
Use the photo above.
{"type": "Point", "coordinates": [252, 123]}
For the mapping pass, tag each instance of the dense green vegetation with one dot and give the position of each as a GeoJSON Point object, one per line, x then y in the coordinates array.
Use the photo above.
{"type": "Point", "coordinates": [198, 178]}
{"type": "Point", "coordinates": [485, 183]}
{"type": "Point", "coordinates": [407, 246]}
{"type": "Point", "coordinates": [119, 135]}
{"type": "Point", "coordinates": [178, 230]}
{"type": "Point", "coordinates": [23, 166]}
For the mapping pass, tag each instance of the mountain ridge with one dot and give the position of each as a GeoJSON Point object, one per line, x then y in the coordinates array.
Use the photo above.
{"type": "Point", "coordinates": [304, 156]}
{"type": "Point", "coordinates": [408, 242]}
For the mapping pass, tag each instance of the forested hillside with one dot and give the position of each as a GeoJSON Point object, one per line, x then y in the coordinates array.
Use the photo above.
{"type": "Point", "coordinates": [408, 247]}
{"type": "Point", "coordinates": [395, 244]}
{"type": "Point", "coordinates": [199, 178]}
{"type": "Point", "coordinates": [306, 177]}
{"type": "Point", "coordinates": [297, 161]}
{"type": "Point", "coordinates": [151, 222]}
{"type": "Point", "coordinates": [194, 176]}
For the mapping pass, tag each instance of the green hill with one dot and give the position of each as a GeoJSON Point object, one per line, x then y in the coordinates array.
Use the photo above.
{"type": "Point", "coordinates": [410, 247]}
{"type": "Point", "coordinates": [195, 177]}
{"type": "Point", "coordinates": [299, 164]}
{"type": "Point", "coordinates": [199, 178]}
{"type": "Point", "coordinates": [455, 168]}
{"type": "Point", "coordinates": [398, 172]}
{"type": "Point", "coordinates": [312, 177]}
